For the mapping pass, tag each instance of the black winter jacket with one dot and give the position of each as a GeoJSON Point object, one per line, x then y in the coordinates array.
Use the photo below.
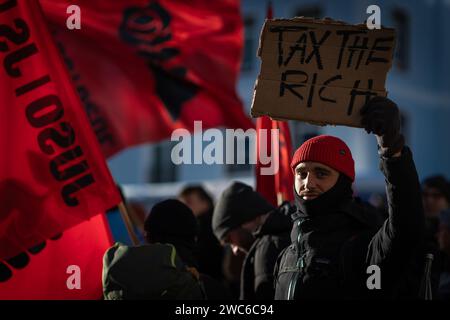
{"type": "Point", "coordinates": [257, 282]}
{"type": "Point", "coordinates": [330, 254]}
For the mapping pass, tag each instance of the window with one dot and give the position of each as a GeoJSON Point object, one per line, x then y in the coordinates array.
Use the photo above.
{"type": "Point", "coordinates": [402, 27]}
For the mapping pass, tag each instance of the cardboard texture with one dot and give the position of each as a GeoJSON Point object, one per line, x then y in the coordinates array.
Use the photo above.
{"type": "Point", "coordinates": [320, 71]}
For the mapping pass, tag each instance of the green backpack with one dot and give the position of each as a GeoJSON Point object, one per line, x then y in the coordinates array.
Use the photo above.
{"type": "Point", "coordinates": [152, 271]}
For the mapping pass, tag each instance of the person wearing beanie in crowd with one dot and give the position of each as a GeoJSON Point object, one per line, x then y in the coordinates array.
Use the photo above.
{"type": "Point", "coordinates": [173, 222]}
{"type": "Point", "coordinates": [335, 239]}
{"type": "Point", "coordinates": [166, 267]}
{"type": "Point", "coordinates": [243, 219]}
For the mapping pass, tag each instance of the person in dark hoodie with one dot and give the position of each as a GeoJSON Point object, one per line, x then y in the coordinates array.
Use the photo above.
{"type": "Point", "coordinates": [335, 239]}
{"type": "Point", "coordinates": [247, 222]}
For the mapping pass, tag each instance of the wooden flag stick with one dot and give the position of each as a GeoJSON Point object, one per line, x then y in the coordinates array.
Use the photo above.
{"type": "Point", "coordinates": [128, 224]}
{"type": "Point", "coordinates": [280, 198]}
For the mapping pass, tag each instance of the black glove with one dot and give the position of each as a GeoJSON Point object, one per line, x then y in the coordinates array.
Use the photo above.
{"type": "Point", "coordinates": [382, 117]}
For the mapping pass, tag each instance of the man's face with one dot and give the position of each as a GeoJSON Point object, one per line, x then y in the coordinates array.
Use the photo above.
{"type": "Point", "coordinates": [433, 201]}
{"type": "Point", "coordinates": [239, 239]}
{"type": "Point", "coordinates": [195, 203]}
{"type": "Point", "coordinates": [313, 178]}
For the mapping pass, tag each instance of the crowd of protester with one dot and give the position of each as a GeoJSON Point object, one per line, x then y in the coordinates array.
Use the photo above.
{"type": "Point", "coordinates": [319, 246]}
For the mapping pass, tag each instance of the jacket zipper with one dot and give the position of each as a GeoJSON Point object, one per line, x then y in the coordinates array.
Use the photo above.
{"type": "Point", "coordinates": [300, 264]}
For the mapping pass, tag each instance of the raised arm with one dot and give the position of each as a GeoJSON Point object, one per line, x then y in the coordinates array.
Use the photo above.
{"type": "Point", "coordinates": [400, 237]}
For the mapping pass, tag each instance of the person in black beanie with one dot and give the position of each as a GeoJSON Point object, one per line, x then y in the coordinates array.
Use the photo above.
{"type": "Point", "coordinates": [165, 267]}
{"type": "Point", "coordinates": [171, 221]}
{"type": "Point", "coordinates": [243, 219]}
{"type": "Point", "coordinates": [339, 249]}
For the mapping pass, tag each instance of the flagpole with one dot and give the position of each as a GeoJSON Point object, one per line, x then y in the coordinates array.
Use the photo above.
{"type": "Point", "coordinates": [280, 198]}
{"type": "Point", "coordinates": [126, 219]}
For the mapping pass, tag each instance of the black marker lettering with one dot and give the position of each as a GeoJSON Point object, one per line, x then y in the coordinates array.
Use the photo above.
{"type": "Point", "coordinates": [325, 84]}
{"type": "Point", "coordinates": [316, 47]}
{"type": "Point", "coordinates": [290, 86]}
{"type": "Point", "coordinates": [367, 93]}
{"type": "Point", "coordinates": [375, 47]}
{"type": "Point", "coordinates": [280, 30]}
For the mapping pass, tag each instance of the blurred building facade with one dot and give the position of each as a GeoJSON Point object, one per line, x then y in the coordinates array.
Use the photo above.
{"type": "Point", "coordinates": [419, 82]}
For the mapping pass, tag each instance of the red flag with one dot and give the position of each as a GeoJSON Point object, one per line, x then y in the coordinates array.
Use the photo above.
{"type": "Point", "coordinates": [265, 184]}
{"type": "Point", "coordinates": [284, 179]}
{"type": "Point", "coordinates": [52, 172]}
{"type": "Point", "coordinates": [51, 270]}
{"type": "Point", "coordinates": [269, 14]}
{"type": "Point", "coordinates": [278, 187]}
{"type": "Point", "coordinates": [145, 67]}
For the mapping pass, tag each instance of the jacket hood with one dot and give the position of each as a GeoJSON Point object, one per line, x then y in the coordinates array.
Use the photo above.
{"type": "Point", "coordinates": [277, 222]}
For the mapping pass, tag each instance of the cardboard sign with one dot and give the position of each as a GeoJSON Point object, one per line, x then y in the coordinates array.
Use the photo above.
{"type": "Point", "coordinates": [320, 71]}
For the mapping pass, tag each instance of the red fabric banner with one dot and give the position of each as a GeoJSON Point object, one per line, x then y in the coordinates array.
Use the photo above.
{"type": "Point", "coordinates": [52, 172]}
{"type": "Point", "coordinates": [284, 179]}
{"type": "Point", "coordinates": [144, 67]}
{"type": "Point", "coordinates": [279, 187]}
{"type": "Point", "coordinates": [265, 184]}
{"type": "Point", "coordinates": [69, 267]}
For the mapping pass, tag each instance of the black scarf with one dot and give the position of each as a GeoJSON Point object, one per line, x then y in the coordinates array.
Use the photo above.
{"type": "Point", "coordinates": [328, 202]}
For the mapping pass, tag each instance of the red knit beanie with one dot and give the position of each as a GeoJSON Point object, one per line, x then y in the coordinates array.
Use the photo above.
{"type": "Point", "coordinates": [328, 150]}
